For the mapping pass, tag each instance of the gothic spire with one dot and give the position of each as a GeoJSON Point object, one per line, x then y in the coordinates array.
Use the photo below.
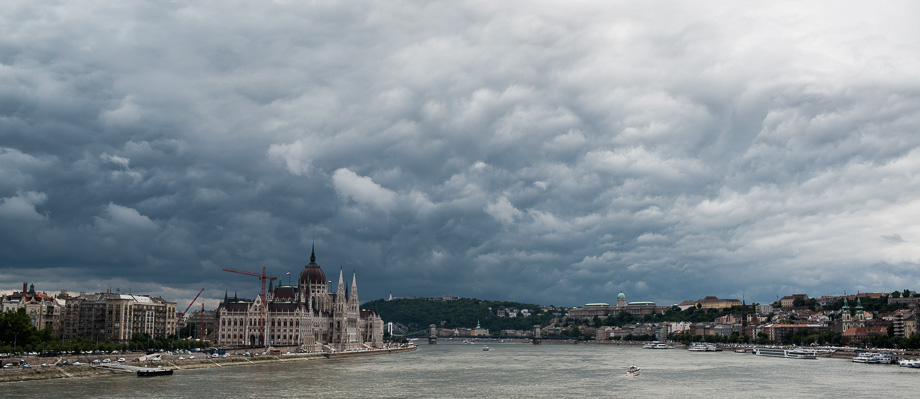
{"type": "Point", "coordinates": [313, 253]}
{"type": "Point", "coordinates": [353, 297]}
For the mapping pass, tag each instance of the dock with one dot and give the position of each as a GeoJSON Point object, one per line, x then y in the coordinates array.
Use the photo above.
{"type": "Point", "coordinates": [367, 352]}
{"type": "Point", "coordinates": [141, 371]}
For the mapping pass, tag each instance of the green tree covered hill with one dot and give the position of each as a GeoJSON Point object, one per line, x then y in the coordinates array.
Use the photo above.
{"type": "Point", "coordinates": [419, 313]}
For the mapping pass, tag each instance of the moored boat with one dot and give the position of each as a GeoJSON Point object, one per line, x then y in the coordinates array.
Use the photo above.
{"type": "Point", "coordinates": [701, 347]}
{"type": "Point", "coordinates": [796, 353]}
{"type": "Point", "coordinates": [150, 372]}
{"type": "Point", "coordinates": [875, 358]}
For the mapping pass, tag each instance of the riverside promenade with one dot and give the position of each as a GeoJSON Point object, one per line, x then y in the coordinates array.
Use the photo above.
{"type": "Point", "coordinates": [41, 368]}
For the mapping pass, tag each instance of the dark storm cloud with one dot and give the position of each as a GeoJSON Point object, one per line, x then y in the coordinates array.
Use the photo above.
{"type": "Point", "coordinates": [551, 153]}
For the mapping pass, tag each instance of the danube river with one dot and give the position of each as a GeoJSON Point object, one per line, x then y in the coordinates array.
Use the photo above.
{"type": "Point", "coordinates": [508, 370]}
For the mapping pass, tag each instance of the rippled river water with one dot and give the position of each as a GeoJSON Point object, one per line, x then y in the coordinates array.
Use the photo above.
{"type": "Point", "coordinates": [508, 370]}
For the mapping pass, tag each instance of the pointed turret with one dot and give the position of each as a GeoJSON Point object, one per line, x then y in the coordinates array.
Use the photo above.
{"type": "Point", "coordinates": [353, 298]}
{"type": "Point", "coordinates": [354, 285]}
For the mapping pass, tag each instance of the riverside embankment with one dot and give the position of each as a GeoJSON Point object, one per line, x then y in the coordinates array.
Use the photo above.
{"type": "Point", "coordinates": [41, 368]}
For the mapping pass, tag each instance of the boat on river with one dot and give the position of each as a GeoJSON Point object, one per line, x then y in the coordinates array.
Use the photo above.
{"type": "Point", "coordinates": [632, 370]}
{"type": "Point", "coordinates": [151, 372]}
{"type": "Point", "coordinates": [656, 345]}
{"type": "Point", "coordinates": [875, 358]}
{"type": "Point", "coordinates": [485, 348]}
{"type": "Point", "coordinates": [701, 347]}
{"type": "Point", "coordinates": [795, 353]}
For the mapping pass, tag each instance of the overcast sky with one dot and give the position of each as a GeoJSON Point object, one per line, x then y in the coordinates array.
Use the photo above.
{"type": "Point", "coordinates": [535, 151]}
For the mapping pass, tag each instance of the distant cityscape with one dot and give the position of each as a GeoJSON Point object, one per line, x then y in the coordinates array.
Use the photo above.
{"type": "Point", "coordinates": [299, 316]}
{"type": "Point", "coordinates": [797, 315]}
{"type": "Point", "coordinates": [793, 319]}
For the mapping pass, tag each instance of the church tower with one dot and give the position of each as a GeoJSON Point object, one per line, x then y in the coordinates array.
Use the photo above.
{"type": "Point", "coordinates": [860, 314]}
{"type": "Point", "coordinates": [845, 315]}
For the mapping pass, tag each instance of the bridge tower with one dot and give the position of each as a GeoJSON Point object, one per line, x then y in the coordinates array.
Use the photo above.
{"type": "Point", "coordinates": [432, 335]}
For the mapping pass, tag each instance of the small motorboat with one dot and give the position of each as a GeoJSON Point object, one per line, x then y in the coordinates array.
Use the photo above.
{"type": "Point", "coordinates": [485, 347]}
{"type": "Point", "coordinates": [632, 370]}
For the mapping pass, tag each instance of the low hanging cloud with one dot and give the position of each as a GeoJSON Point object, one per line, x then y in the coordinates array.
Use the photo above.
{"type": "Point", "coordinates": [363, 190]}
{"type": "Point", "coordinates": [21, 207]}
{"type": "Point", "coordinates": [116, 219]}
{"type": "Point", "coordinates": [503, 211]}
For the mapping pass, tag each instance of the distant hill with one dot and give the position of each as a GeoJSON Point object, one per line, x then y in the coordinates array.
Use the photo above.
{"type": "Point", "coordinates": [419, 313]}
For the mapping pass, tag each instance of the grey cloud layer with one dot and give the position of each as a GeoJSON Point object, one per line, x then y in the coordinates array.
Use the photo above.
{"type": "Point", "coordinates": [549, 152]}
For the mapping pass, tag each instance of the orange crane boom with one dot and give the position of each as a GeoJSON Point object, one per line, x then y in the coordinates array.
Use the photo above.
{"type": "Point", "coordinates": [262, 277]}
{"type": "Point", "coordinates": [181, 315]}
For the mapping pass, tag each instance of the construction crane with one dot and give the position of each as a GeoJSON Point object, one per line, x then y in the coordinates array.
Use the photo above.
{"type": "Point", "coordinates": [181, 315]}
{"type": "Point", "coordinates": [262, 277]}
{"type": "Point", "coordinates": [201, 325]}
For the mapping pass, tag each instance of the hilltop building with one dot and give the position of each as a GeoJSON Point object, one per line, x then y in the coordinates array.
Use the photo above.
{"type": "Point", "coordinates": [788, 301]}
{"type": "Point", "coordinates": [306, 315]}
{"type": "Point", "coordinates": [709, 302]}
{"type": "Point", "coordinates": [603, 310]}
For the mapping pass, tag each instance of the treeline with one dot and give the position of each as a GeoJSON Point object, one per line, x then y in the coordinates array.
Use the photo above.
{"type": "Point", "coordinates": [419, 313]}
{"type": "Point", "coordinates": [17, 335]}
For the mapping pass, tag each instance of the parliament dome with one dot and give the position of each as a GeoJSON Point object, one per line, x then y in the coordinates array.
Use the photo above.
{"type": "Point", "coordinates": [312, 274]}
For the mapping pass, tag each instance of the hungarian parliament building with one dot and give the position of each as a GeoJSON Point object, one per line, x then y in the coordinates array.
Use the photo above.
{"type": "Point", "coordinates": [306, 316]}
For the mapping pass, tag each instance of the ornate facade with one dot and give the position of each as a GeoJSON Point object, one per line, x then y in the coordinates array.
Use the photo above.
{"type": "Point", "coordinates": [307, 316]}
{"type": "Point", "coordinates": [604, 310]}
{"type": "Point", "coordinates": [103, 316]}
